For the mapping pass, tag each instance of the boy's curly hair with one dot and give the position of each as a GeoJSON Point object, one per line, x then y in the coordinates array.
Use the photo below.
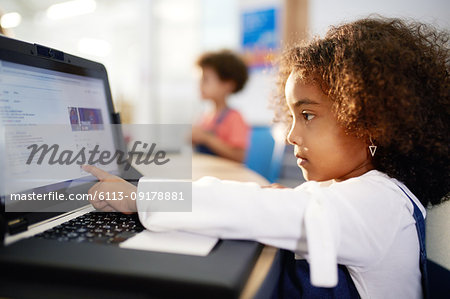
{"type": "Point", "coordinates": [389, 81]}
{"type": "Point", "coordinates": [227, 65]}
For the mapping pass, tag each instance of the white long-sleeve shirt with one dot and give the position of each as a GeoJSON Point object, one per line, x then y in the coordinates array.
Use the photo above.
{"type": "Point", "coordinates": [365, 223]}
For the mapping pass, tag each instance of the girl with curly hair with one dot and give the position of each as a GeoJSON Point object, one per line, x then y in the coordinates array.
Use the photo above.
{"type": "Point", "coordinates": [368, 108]}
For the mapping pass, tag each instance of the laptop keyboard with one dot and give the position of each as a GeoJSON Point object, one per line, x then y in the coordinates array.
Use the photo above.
{"type": "Point", "coordinates": [97, 227]}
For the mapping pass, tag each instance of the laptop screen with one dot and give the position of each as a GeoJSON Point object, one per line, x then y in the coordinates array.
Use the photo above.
{"type": "Point", "coordinates": [46, 107]}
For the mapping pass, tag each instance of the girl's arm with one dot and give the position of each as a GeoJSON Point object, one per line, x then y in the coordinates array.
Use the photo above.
{"type": "Point", "coordinates": [356, 219]}
{"type": "Point", "coordinates": [229, 209]}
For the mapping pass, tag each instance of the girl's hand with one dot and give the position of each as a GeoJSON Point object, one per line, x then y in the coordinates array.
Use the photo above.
{"type": "Point", "coordinates": [275, 186]}
{"type": "Point", "coordinates": [117, 190]}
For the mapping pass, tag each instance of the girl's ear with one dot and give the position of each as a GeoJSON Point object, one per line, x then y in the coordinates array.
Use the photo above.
{"type": "Point", "coordinates": [230, 85]}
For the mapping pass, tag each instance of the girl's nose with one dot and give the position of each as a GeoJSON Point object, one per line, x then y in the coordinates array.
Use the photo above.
{"type": "Point", "coordinates": [293, 137]}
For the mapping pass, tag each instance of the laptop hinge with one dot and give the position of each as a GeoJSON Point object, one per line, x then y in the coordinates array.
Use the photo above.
{"type": "Point", "coordinates": [17, 226]}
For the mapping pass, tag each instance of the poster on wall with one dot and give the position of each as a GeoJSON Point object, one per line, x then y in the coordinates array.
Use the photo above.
{"type": "Point", "coordinates": [260, 36]}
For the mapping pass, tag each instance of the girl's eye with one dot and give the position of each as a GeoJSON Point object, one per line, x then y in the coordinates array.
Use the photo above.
{"type": "Point", "coordinates": [307, 116]}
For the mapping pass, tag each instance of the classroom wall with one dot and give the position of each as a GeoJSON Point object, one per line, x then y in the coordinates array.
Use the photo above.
{"type": "Point", "coordinates": [327, 12]}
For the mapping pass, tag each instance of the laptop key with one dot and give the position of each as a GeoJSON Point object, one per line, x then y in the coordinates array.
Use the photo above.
{"type": "Point", "coordinates": [72, 235]}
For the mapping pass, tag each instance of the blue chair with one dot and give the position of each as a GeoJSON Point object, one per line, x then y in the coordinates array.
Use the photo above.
{"type": "Point", "coordinates": [264, 155]}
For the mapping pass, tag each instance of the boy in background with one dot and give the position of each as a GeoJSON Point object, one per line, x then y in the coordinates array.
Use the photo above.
{"type": "Point", "coordinates": [222, 132]}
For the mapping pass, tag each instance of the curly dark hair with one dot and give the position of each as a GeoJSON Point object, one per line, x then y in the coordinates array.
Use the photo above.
{"type": "Point", "coordinates": [227, 65]}
{"type": "Point", "coordinates": [389, 81]}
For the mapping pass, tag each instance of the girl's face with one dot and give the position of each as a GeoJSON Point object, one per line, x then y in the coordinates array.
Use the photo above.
{"type": "Point", "coordinates": [323, 149]}
{"type": "Point", "coordinates": [212, 87]}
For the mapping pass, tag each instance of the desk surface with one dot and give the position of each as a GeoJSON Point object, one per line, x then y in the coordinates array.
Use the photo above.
{"type": "Point", "coordinates": [224, 169]}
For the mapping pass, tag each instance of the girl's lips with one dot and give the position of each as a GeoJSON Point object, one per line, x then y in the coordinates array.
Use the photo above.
{"type": "Point", "coordinates": [301, 161]}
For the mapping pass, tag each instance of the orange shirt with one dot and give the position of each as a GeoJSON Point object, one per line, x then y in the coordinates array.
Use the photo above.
{"type": "Point", "coordinates": [228, 126]}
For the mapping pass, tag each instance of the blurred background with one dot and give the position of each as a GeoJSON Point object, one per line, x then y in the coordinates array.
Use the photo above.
{"type": "Point", "coordinates": [149, 47]}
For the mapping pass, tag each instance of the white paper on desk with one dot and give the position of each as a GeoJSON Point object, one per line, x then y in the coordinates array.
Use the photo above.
{"type": "Point", "coordinates": [171, 242]}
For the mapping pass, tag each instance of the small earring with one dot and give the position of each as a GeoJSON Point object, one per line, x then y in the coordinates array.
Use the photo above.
{"type": "Point", "coordinates": [372, 147]}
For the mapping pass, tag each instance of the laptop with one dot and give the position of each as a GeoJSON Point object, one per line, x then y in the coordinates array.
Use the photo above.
{"type": "Point", "coordinates": [49, 97]}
